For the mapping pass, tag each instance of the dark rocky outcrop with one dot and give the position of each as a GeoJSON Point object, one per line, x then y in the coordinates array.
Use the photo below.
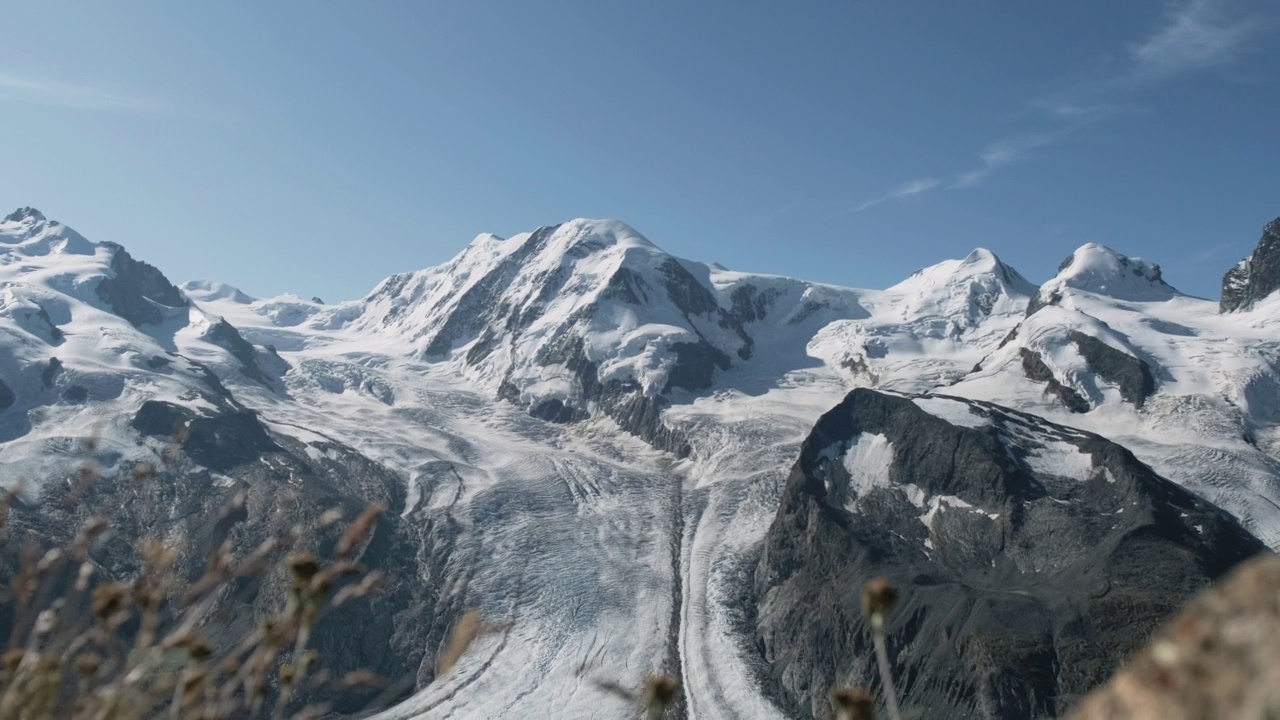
{"type": "Point", "coordinates": [476, 308]}
{"type": "Point", "coordinates": [1132, 375]}
{"type": "Point", "coordinates": [7, 396]}
{"type": "Point", "coordinates": [225, 335]}
{"type": "Point", "coordinates": [218, 442]}
{"type": "Point", "coordinates": [1034, 367]}
{"type": "Point", "coordinates": [281, 486]}
{"type": "Point", "coordinates": [624, 402]}
{"type": "Point", "coordinates": [1043, 299]}
{"type": "Point", "coordinates": [135, 289]}
{"type": "Point", "coordinates": [24, 213]}
{"type": "Point", "coordinates": [1032, 558]}
{"type": "Point", "coordinates": [50, 372]}
{"type": "Point", "coordinates": [1255, 277]}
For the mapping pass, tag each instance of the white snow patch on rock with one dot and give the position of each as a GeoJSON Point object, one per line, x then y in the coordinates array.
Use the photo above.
{"type": "Point", "coordinates": [1061, 459]}
{"type": "Point", "coordinates": [956, 412]}
{"type": "Point", "coordinates": [867, 460]}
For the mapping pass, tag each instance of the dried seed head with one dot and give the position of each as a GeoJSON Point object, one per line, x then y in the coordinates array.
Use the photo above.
{"type": "Point", "coordinates": [659, 691]}
{"type": "Point", "coordinates": [146, 597]}
{"type": "Point", "coordinates": [330, 517]}
{"type": "Point", "coordinates": [464, 632]}
{"type": "Point", "coordinates": [48, 663]}
{"type": "Point", "coordinates": [361, 679]}
{"type": "Point", "coordinates": [108, 600]}
{"type": "Point", "coordinates": [94, 526]}
{"type": "Point", "coordinates": [83, 576]}
{"type": "Point", "coordinates": [48, 560]}
{"type": "Point", "coordinates": [359, 529]}
{"type": "Point", "coordinates": [304, 566]}
{"type": "Point", "coordinates": [158, 556]}
{"type": "Point", "coordinates": [287, 673]}
{"type": "Point", "coordinates": [10, 660]}
{"type": "Point", "coordinates": [87, 665]}
{"type": "Point", "coordinates": [878, 598]}
{"type": "Point", "coordinates": [197, 648]}
{"type": "Point", "coordinates": [368, 585]}
{"type": "Point", "coordinates": [853, 704]}
{"type": "Point", "coordinates": [190, 681]}
{"type": "Point", "coordinates": [276, 633]}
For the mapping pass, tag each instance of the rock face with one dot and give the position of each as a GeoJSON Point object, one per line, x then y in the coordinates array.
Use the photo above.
{"type": "Point", "coordinates": [589, 317]}
{"type": "Point", "coordinates": [136, 288]}
{"type": "Point", "coordinates": [1255, 277]}
{"type": "Point", "coordinates": [1032, 558]}
{"type": "Point", "coordinates": [225, 335]}
{"type": "Point", "coordinates": [1216, 659]}
{"type": "Point", "coordinates": [191, 503]}
{"type": "Point", "coordinates": [1034, 367]}
{"type": "Point", "coordinates": [1131, 375]}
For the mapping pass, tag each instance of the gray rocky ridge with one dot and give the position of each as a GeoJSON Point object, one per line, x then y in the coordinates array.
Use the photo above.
{"type": "Point", "coordinates": [1256, 276]}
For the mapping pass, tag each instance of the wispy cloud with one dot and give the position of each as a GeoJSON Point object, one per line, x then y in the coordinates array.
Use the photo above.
{"type": "Point", "coordinates": [42, 91]}
{"type": "Point", "coordinates": [1213, 252]}
{"type": "Point", "coordinates": [1067, 110]}
{"type": "Point", "coordinates": [905, 190]}
{"type": "Point", "coordinates": [1195, 34]}
{"type": "Point", "coordinates": [1192, 35]}
{"type": "Point", "coordinates": [1002, 154]}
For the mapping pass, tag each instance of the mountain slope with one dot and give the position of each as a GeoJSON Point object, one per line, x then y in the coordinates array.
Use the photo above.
{"type": "Point", "coordinates": [1032, 557]}
{"type": "Point", "coordinates": [577, 432]}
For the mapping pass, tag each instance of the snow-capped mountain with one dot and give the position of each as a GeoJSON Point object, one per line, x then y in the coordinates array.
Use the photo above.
{"type": "Point", "coordinates": [591, 438]}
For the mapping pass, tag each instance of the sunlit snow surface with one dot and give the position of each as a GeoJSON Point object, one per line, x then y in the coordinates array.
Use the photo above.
{"type": "Point", "coordinates": [611, 559]}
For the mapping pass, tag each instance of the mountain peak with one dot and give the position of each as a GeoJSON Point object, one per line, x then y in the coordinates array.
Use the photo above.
{"type": "Point", "coordinates": [975, 287]}
{"type": "Point", "coordinates": [1255, 277]}
{"type": "Point", "coordinates": [1098, 269]}
{"type": "Point", "coordinates": [981, 257]}
{"type": "Point", "coordinates": [601, 233]}
{"type": "Point", "coordinates": [25, 214]}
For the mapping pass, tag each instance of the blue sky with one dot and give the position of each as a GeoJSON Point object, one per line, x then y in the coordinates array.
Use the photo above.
{"type": "Point", "coordinates": [316, 147]}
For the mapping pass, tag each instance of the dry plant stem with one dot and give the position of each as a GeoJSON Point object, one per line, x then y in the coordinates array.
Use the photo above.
{"type": "Point", "coordinates": [886, 675]}
{"type": "Point", "coordinates": [132, 649]}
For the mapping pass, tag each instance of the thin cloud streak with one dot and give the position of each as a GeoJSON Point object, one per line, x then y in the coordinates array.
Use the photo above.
{"type": "Point", "coordinates": [1193, 35]}
{"type": "Point", "coordinates": [1213, 252]}
{"type": "Point", "coordinates": [1196, 34]}
{"type": "Point", "coordinates": [1002, 154]}
{"type": "Point", "coordinates": [39, 91]}
{"type": "Point", "coordinates": [906, 190]}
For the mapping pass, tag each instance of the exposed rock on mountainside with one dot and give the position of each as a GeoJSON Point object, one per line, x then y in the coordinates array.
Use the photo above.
{"type": "Point", "coordinates": [1031, 557]}
{"type": "Point", "coordinates": [590, 318]}
{"type": "Point", "coordinates": [232, 479]}
{"type": "Point", "coordinates": [1131, 375]}
{"type": "Point", "coordinates": [136, 289]}
{"type": "Point", "coordinates": [1255, 277]}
